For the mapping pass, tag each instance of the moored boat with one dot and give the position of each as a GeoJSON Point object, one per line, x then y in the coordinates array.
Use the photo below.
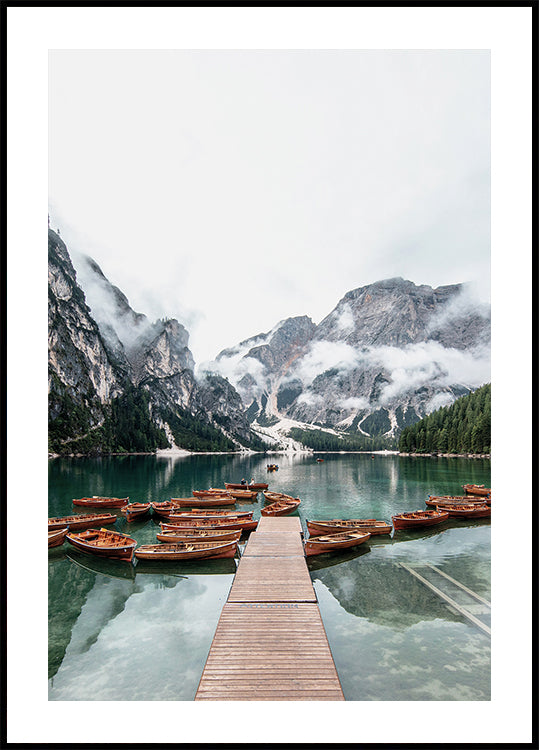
{"type": "Point", "coordinates": [164, 508]}
{"type": "Point", "coordinates": [243, 494]}
{"type": "Point", "coordinates": [273, 497]}
{"type": "Point", "coordinates": [464, 510]}
{"type": "Point", "coordinates": [476, 489]}
{"type": "Point", "coordinates": [201, 513]}
{"type": "Point", "coordinates": [186, 550]}
{"type": "Point", "coordinates": [272, 467]}
{"type": "Point", "coordinates": [335, 525]}
{"type": "Point", "coordinates": [245, 524]}
{"type": "Point", "coordinates": [251, 486]}
{"type": "Point", "coordinates": [203, 502]}
{"type": "Point", "coordinates": [135, 510]}
{"type": "Point", "coordinates": [434, 500]}
{"type": "Point", "coordinates": [211, 492]}
{"type": "Point", "coordinates": [101, 502]}
{"type": "Point", "coordinates": [317, 545]}
{"type": "Point", "coordinates": [81, 521]}
{"type": "Point", "coordinates": [281, 507]}
{"type": "Point", "coordinates": [200, 535]}
{"type": "Point", "coordinates": [418, 519]}
{"type": "Point", "coordinates": [56, 538]}
{"type": "Point", "coordinates": [104, 543]}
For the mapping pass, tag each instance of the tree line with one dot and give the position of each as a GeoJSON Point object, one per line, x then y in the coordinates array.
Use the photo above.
{"type": "Point", "coordinates": [463, 427]}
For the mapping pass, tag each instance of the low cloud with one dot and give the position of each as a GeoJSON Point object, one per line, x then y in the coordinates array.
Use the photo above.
{"type": "Point", "coordinates": [345, 322]}
{"type": "Point", "coordinates": [429, 363]}
{"type": "Point", "coordinates": [235, 367]}
{"type": "Point", "coordinates": [465, 304]}
{"type": "Point", "coordinates": [440, 399]}
{"type": "Point", "coordinates": [326, 355]}
{"type": "Point", "coordinates": [353, 402]}
{"type": "Point", "coordinates": [310, 399]}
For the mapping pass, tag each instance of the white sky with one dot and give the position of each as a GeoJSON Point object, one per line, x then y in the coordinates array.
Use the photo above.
{"type": "Point", "coordinates": [232, 189]}
{"type": "Point", "coordinates": [31, 33]}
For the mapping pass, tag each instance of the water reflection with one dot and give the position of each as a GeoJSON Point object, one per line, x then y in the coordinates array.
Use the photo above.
{"type": "Point", "coordinates": [142, 632]}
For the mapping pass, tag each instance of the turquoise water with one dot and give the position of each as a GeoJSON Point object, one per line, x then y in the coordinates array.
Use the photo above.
{"type": "Point", "coordinates": [142, 632]}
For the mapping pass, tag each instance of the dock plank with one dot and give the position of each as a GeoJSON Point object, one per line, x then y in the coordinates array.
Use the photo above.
{"type": "Point", "coordinates": [280, 524]}
{"type": "Point", "coordinates": [270, 642]}
{"type": "Point", "coordinates": [272, 579]}
{"type": "Point", "coordinates": [266, 661]}
{"type": "Point", "coordinates": [267, 544]}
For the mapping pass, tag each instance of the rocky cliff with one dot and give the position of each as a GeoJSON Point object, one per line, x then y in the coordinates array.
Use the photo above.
{"type": "Point", "coordinates": [118, 381]}
{"type": "Point", "coordinates": [385, 356]}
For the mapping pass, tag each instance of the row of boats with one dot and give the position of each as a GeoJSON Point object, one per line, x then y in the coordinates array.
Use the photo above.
{"type": "Point", "coordinates": [200, 533]}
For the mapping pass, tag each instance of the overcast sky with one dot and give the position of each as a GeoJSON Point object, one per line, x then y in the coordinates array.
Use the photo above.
{"type": "Point", "coordinates": [232, 189]}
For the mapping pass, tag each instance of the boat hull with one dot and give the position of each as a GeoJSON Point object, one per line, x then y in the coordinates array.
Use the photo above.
{"type": "Point", "coordinates": [273, 497]}
{"type": "Point", "coordinates": [187, 551]}
{"type": "Point", "coordinates": [101, 502]}
{"type": "Point", "coordinates": [203, 502]}
{"type": "Point", "coordinates": [428, 518]}
{"type": "Point", "coordinates": [280, 508]}
{"type": "Point", "coordinates": [56, 538]}
{"type": "Point", "coordinates": [333, 542]}
{"type": "Point", "coordinates": [191, 523]}
{"type": "Point", "coordinates": [435, 500]}
{"type": "Point", "coordinates": [472, 511]}
{"type": "Point", "coordinates": [200, 535]}
{"type": "Point", "coordinates": [119, 546]}
{"type": "Point", "coordinates": [475, 489]}
{"type": "Point", "coordinates": [243, 494]}
{"type": "Point", "coordinates": [212, 492]}
{"type": "Point", "coordinates": [135, 510]}
{"type": "Point", "coordinates": [80, 522]}
{"type": "Point", "coordinates": [373, 526]}
{"type": "Point", "coordinates": [258, 486]}
{"type": "Point", "coordinates": [201, 515]}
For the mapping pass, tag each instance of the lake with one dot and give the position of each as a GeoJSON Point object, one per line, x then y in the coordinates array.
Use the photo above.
{"type": "Point", "coordinates": [142, 632]}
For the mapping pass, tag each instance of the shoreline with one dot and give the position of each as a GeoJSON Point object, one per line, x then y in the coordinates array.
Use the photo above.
{"type": "Point", "coordinates": [180, 452]}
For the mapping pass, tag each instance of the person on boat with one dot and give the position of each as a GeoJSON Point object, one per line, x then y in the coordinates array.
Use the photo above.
{"type": "Point", "coordinates": [243, 481]}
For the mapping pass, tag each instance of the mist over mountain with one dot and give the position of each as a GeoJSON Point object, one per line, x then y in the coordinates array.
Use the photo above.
{"type": "Point", "coordinates": [385, 356]}
{"type": "Point", "coordinates": [119, 382]}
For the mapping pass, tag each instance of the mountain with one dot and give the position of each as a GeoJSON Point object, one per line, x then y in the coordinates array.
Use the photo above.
{"type": "Point", "coordinates": [119, 382]}
{"type": "Point", "coordinates": [388, 354]}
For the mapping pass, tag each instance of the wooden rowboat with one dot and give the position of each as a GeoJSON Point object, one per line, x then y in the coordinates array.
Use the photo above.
{"type": "Point", "coordinates": [476, 489]}
{"type": "Point", "coordinates": [335, 525]}
{"type": "Point", "coordinates": [198, 535]}
{"type": "Point", "coordinates": [251, 486]}
{"type": "Point", "coordinates": [186, 551]}
{"type": "Point", "coordinates": [102, 502]}
{"type": "Point", "coordinates": [202, 513]}
{"type": "Point", "coordinates": [56, 538]}
{"type": "Point", "coordinates": [243, 494]}
{"type": "Point", "coordinates": [418, 518]}
{"type": "Point", "coordinates": [273, 497]}
{"type": "Point", "coordinates": [164, 508]}
{"type": "Point", "coordinates": [212, 492]}
{"type": "Point", "coordinates": [463, 510]}
{"type": "Point", "coordinates": [317, 545]}
{"type": "Point", "coordinates": [245, 524]}
{"type": "Point", "coordinates": [203, 502]}
{"type": "Point", "coordinates": [104, 543]}
{"type": "Point", "coordinates": [281, 507]}
{"type": "Point", "coordinates": [81, 521]}
{"type": "Point", "coordinates": [135, 510]}
{"type": "Point", "coordinates": [435, 500]}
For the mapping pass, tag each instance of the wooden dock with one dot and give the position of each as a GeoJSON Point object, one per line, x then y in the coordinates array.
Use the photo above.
{"type": "Point", "coordinates": [270, 643]}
